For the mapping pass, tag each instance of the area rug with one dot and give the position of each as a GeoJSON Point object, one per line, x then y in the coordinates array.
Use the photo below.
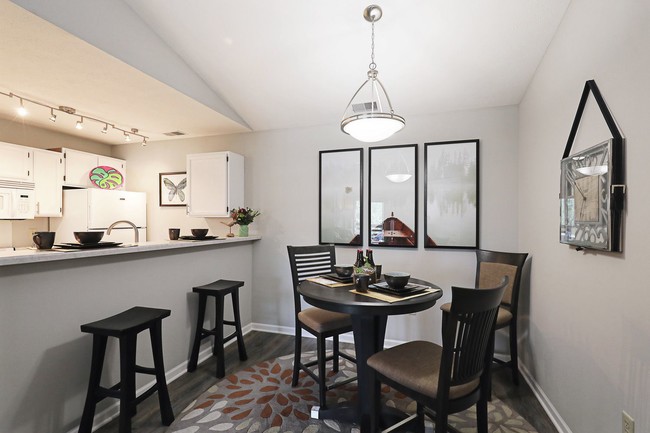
{"type": "Point", "coordinates": [260, 399]}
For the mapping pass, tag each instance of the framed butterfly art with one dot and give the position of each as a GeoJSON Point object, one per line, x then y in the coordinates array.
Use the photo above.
{"type": "Point", "coordinates": [172, 190]}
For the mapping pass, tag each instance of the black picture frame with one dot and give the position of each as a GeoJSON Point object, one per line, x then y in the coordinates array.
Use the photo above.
{"type": "Point", "coordinates": [340, 197]}
{"type": "Point", "coordinates": [171, 189]}
{"type": "Point", "coordinates": [452, 194]}
{"type": "Point", "coordinates": [393, 196]}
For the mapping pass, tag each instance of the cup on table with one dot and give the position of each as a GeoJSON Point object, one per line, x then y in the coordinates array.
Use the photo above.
{"type": "Point", "coordinates": [43, 240]}
{"type": "Point", "coordinates": [362, 283]}
{"type": "Point", "coordinates": [378, 272]}
{"type": "Point", "coordinates": [174, 234]}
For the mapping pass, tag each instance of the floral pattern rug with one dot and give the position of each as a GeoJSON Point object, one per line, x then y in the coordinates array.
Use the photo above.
{"type": "Point", "coordinates": [260, 399]}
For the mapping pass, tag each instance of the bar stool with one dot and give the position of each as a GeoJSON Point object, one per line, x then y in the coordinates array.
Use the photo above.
{"type": "Point", "coordinates": [219, 289]}
{"type": "Point", "coordinates": [125, 326]}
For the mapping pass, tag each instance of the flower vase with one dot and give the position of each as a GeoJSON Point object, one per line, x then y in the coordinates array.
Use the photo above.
{"type": "Point", "coordinates": [243, 230]}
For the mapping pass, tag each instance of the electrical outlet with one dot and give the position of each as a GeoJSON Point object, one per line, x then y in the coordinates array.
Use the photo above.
{"type": "Point", "coordinates": [628, 423]}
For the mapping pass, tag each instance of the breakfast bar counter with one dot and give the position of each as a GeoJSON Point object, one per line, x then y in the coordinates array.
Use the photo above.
{"type": "Point", "coordinates": [33, 255]}
{"type": "Point", "coordinates": [46, 295]}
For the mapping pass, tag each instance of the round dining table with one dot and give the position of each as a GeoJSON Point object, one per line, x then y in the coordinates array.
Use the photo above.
{"type": "Point", "coordinates": [369, 318]}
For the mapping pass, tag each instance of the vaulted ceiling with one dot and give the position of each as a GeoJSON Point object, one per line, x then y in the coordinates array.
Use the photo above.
{"type": "Point", "coordinates": [218, 67]}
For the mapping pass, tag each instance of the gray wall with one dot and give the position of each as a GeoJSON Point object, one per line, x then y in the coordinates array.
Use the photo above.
{"type": "Point", "coordinates": [586, 340]}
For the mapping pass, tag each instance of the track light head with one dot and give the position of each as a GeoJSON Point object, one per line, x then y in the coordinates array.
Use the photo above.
{"type": "Point", "coordinates": [80, 123]}
{"type": "Point", "coordinates": [22, 111]}
{"type": "Point", "coordinates": [52, 115]}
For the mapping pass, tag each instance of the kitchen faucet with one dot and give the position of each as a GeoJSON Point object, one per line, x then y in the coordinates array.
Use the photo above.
{"type": "Point", "coordinates": [135, 229]}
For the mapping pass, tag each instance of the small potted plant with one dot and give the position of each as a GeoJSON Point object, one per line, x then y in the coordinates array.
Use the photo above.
{"type": "Point", "coordinates": [243, 216]}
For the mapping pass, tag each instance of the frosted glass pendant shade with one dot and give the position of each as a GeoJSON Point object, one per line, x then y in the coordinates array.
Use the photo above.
{"type": "Point", "coordinates": [369, 116]}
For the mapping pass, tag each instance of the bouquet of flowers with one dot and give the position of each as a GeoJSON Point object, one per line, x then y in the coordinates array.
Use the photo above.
{"type": "Point", "coordinates": [243, 215]}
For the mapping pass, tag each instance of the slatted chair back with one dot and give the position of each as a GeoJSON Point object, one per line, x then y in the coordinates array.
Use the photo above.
{"type": "Point", "coordinates": [468, 335]}
{"type": "Point", "coordinates": [309, 261]}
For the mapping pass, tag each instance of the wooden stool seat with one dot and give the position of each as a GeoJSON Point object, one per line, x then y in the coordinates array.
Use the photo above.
{"type": "Point", "coordinates": [125, 326]}
{"type": "Point", "coordinates": [218, 289]}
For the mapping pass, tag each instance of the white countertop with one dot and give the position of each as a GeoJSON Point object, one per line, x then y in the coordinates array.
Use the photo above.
{"type": "Point", "coordinates": [33, 255]}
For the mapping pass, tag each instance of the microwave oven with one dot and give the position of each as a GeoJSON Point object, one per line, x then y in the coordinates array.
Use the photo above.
{"type": "Point", "coordinates": [16, 200]}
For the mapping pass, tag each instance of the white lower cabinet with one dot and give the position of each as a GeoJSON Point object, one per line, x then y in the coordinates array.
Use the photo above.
{"type": "Point", "coordinates": [48, 183]}
{"type": "Point", "coordinates": [215, 183]}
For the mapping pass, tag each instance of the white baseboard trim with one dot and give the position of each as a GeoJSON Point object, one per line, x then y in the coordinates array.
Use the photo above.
{"type": "Point", "coordinates": [543, 399]}
{"type": "Point", "coordinates": [110, 413]}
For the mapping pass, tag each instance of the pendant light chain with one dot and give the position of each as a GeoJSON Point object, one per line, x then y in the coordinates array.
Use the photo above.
{"type": "Point", "coordinates": [372, 65]}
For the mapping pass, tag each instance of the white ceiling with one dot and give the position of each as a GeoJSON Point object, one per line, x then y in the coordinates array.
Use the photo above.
{"type": "Point", "coordinates": [271, 65]}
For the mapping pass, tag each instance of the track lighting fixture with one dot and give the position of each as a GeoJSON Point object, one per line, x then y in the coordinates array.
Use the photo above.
{"type": "Point", "coordinates": [22, 111]}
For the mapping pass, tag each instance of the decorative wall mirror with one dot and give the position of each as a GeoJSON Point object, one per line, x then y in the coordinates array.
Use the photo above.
{"type": "Point", "coordinates": [340, 196]}
{"type": "Point", "coordinates": [393, 191]}
{"type": "Point", "coordinates": [451, 191]}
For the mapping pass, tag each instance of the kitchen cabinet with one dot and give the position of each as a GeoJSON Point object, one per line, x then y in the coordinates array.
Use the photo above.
{"type": "Point", "coordinates": [16, 162]}
{"type": "Point", "coordinates": [48, 183]}
{"type": "Point", "coordinates": [78, 164]}
{"type": "Point", "coordinates": [215, 183]}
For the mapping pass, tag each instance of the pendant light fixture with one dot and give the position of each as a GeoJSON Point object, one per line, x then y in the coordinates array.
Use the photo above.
{"type": "Point", "coordinates": [369, 116]}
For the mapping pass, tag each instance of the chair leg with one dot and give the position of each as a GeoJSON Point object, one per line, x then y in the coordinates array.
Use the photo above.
{"type": "Point", "coordinates": [335, 353]}
{"type": "Point", "coordinates": [322, 387]}
{"type": "Point", "coordinates": [166, 413]}
{"type": "Point", "coordinates": [441, 420]}
{"type": "Point", "coordinates": [217, 348]}
{"type": "Point", "coordinates": [127, 382]}
{"type": "Point", "coordinates": [96, 366]}
{"type": "Point", "coordinates": [481, 416]}
{"type": "Point", "coordinates": [296, 354]}
{"type": "Point", "coordinates": [240, 336]}
{"type": "Point", "coordinates": [198, 334]}
{"type": "Point", "coordinates": [419, 426]}
{"type": "Point", "coordinates": [514, 358]}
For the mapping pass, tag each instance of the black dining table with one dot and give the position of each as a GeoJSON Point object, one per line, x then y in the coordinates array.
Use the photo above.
{"type": "Point", "coordinates": [369, 318]}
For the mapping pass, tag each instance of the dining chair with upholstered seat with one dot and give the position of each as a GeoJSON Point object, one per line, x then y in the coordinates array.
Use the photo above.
{"type": "Point", "coordinates": [306, 262]}
{"type": "Point", "coordinates": [455, 376]}
{"type": "Point", "coordinates": [491, 266]}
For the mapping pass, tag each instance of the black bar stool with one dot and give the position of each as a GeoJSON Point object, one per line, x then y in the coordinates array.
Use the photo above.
{"type": "Point", "coordinates": [219, 289]}
{"type": "Point", "coordinates": [125, 326]}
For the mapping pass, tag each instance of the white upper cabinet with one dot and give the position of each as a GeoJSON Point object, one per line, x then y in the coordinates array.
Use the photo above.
{"type": "Point", "coordinates": [16, 162]}
{"type": "Point", "coordinates": [48, 183]}
{"type": "Point", "coordinates": [78, 164]}
{"type": "Point", "coordinates": [215, 183]}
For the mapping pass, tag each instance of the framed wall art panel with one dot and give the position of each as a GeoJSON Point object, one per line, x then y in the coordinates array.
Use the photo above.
{"type": "Point", "coordinates": [393, 191]}
{"type": "Point", "coordinates": [340, 197]}
{"type": "Point", "coordinates": [451, 191]}
{"type": "Point", "coordinates": [171, 189]}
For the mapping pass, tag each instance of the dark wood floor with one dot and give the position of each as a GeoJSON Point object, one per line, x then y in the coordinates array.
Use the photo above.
{"type": "Point", "coordinates": [262, 346]}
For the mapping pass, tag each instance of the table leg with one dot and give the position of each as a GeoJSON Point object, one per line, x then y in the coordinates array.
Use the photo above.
{"type": "Point", "coordinates": [369, 333]}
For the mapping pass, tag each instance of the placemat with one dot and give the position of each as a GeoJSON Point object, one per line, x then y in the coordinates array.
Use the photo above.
{"type": "Point", "coordinates": [391, 298]}
{"type": "Point", "coordinates": [327, 282]}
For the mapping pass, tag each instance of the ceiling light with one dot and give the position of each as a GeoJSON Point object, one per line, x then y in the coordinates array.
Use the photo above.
{"type": "Point", "coordinates": [127, 137]}
{"type": "Point", "coordinates": [144, 142]}
{"type": "Point", "coordinates": [22, 111]}
{"type": "Point", "coordinates": [369, 116]}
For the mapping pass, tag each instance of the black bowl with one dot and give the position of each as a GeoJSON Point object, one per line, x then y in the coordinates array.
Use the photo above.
{"type": "Point", "coordinates": [199, 233]}
{"type": "Point", "coordinates": [343, 270]}
{"type": "Point", "coordinates": [396, 280]}
{"type": "Point", "coordinates": [88, 237]}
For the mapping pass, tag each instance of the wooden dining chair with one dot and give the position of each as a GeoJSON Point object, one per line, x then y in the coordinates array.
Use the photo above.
{"type": "Point", "coordinates": [491, 266]}
{"type": "Point", "coordinates": [452, 378]}
{"type": "Point", "coordinates": [306, 262]}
